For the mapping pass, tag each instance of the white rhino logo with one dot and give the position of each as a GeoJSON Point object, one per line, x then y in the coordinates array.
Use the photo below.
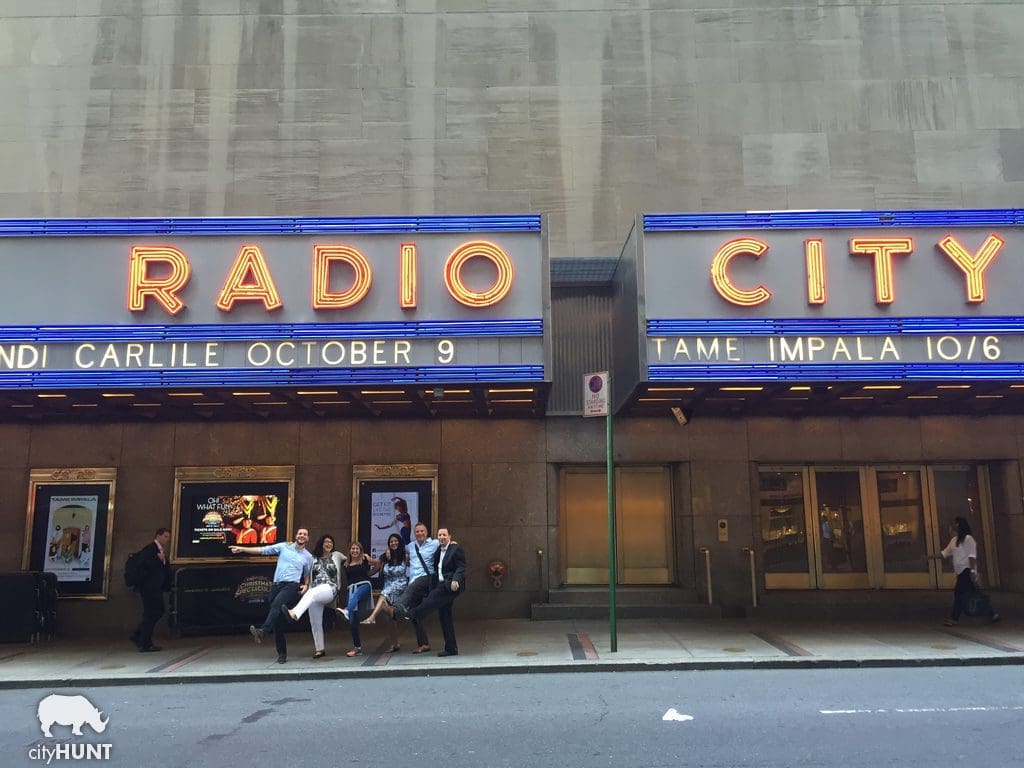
{"type": "Point", "coordinates": [75, 711]}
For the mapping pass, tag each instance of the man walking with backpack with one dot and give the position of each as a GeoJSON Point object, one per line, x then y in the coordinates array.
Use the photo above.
{"type": "Point", "coordinates": [150, 570]}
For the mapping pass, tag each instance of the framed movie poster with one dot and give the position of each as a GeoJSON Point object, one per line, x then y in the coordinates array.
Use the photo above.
{"type": "Point", "coordinates": [69, 527]}
{"type": "Point", "coordinates": [392, 499]}
{"type": "Point", "coordinates": [216, 507]}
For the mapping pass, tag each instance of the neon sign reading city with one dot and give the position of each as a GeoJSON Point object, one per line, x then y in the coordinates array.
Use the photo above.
{"type": "Point", "coordinates": [883, 251]}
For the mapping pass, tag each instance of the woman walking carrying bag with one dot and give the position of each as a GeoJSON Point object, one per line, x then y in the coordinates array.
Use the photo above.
{"type": "Point", "coordinates": [963, 550]}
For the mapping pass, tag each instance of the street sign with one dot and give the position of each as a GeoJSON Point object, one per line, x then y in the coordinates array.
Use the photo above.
{"type": "Point", "coordinates": [595, 394]}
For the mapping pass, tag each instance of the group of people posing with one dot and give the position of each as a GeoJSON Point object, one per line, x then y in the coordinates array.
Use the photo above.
{"type": "Point", "coordinates": [418, 578]}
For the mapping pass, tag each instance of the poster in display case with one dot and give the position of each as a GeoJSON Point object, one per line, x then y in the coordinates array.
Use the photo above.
{"type": "Point", "coordinates": [391, 499]}
{"type": "Point", "coordinates": [69, 527]}
{"type": "Point", "coordinates": [218, 507]}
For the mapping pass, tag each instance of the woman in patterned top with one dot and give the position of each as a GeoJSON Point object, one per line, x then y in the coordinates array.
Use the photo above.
{"type": "Point", "coordinates": [325, 583]}
{"type": "Point", "coordinates": [395, 566]}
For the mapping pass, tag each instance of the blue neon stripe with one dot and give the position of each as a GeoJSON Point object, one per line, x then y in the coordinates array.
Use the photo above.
{"type": "Point", "coordinates": [838, 372]}
{"type": "Point", "coordinates": [258, 225]}
{"type": "Point", "coordinates": [868, 326]}
{"type": "Point", "coordinates": [269, 377]}
{"type": "Point", "coordinates": [70, 334]}
{"type": "Point", "coordinates": [979, 217]}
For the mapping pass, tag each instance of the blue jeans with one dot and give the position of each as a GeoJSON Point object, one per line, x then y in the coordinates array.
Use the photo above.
{"type": "Point", "coordinates": [358, 595]}
{"type": "Point", "coordinates": [283, 593]}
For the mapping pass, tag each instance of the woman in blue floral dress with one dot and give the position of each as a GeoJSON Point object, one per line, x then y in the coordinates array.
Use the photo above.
{"type": "Point", "coordinates": [395, 567]}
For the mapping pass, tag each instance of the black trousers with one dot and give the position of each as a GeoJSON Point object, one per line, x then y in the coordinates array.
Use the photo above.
{"type": "Point", "coordinates": [440, 600]}
{"type": "Point", "coordinates": [152, 610]}
{"type": "Point", "coordinates": [283, 593]}
{"type": "Point", "coordinates": [411, 598]}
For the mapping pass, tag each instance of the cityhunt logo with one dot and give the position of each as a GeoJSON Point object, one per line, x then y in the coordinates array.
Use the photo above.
{"type": "Point", "coordinates": [75, 712]}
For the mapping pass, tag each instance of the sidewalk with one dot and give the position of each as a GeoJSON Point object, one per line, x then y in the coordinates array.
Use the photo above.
{"type": "Point", "coordinates": [516, 646]}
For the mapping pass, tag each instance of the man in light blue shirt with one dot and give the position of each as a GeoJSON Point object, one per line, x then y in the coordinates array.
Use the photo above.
{"type": "Point", "coordinates": [422, 569]}
{"type": "Point", "coordinates": [291, 579]}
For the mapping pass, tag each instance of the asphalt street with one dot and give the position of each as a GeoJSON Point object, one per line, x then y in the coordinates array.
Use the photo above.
{"type": "Point", "coordinates": [764, 718]}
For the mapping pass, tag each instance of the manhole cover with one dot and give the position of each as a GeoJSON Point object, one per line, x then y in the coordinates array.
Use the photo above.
{"type": "Point", "coordinates": [527, 653]}
{"type": "Point", "coordinates": [944, 647]}
{"type": "Point", "coordinates": [734, 649]}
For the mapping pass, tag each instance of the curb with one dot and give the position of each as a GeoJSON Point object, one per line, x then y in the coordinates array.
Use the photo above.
{"type": "Point", "coordinates": [494, 669]}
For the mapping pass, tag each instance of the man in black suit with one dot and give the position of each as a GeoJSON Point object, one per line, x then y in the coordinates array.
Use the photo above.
{"type": "Point", "coordinates": [154, 580]}
{"type": "Point", "coordinates": [450, 565]}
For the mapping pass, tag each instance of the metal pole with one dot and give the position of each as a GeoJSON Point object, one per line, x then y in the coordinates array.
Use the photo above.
{"type": "Point", "coordinates": [707, 570]}
{"type": "Point", "coordinates": [610, 469]}
{"type": "Point", "coordinates": [753, 576]}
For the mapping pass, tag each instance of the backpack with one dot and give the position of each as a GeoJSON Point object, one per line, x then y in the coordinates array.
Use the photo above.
{"type": "Point", "coordinates": [133, 568]}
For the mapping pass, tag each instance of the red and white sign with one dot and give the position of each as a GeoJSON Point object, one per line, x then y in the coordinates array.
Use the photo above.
{"type": "Point", "coordinates": [595, 394]}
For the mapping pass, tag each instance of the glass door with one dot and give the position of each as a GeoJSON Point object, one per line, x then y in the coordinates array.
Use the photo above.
{"type": "Point", "coordinates": [786, 551]}
{"type": "Point", "coordinates": [842, 556]}
{"type": "Point", "coordinates": [869, 527]}
{"type": "Point", "coordinates": [958, 491]}
{"type": "Point", "coordinates": [902, 528]}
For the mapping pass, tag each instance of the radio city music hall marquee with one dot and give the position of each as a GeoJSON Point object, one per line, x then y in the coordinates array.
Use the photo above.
{"type": "Point", "coordinates": [831, 301]}
{"type": "Point", "coordinates": [415, 302]}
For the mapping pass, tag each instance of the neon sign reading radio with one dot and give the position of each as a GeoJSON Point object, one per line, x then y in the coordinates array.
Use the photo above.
{"type": "Point", "coordinates": [882, 250]}
{"type": "Point", "coordinates": [161, 272]}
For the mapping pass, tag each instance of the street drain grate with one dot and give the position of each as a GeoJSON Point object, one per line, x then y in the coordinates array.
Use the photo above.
{"type": "Point", "coordinates": [527, 653]}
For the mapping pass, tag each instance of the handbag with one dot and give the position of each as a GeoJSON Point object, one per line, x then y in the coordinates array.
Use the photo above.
{"type": "Point", "coordinates": [978, 604]}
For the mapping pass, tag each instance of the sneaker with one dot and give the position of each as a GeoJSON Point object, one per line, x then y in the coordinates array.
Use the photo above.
{"type": "Point", "coordinates": [256, 632]}
{"type": "Point", "coordinates": [344, 612]}
{"type": "Point", "coordinates": [281, 658]}
{"type": "Point", "coordinates": [995, 617]}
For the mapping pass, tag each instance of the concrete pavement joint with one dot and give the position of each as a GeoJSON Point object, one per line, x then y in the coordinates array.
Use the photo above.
{"type": "Point", "coordinates": [988, 642]}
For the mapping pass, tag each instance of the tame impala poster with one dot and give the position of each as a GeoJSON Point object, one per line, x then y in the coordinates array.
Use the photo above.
{"type": "Point", "coordinates": [70, 533]}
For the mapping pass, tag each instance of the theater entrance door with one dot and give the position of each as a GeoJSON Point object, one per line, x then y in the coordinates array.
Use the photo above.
{"type": "Point", "coordinates": [644, 536]}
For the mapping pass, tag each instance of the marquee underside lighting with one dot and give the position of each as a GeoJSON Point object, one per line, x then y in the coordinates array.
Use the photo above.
{"type": "Point", "coordinates": [845, 372]}
{"type": "Point", "coordinates": [148, 379]}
